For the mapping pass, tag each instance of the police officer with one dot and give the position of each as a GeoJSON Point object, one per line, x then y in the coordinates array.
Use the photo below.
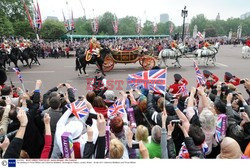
{"type": "Point", "coordinates": [179, 81]}
{"type": "Point", "coordinates": [211, 79]}
{"type": "Point", "coordinates": [230, 79]}
{"type": "Point", "coordinates": [99, 84]}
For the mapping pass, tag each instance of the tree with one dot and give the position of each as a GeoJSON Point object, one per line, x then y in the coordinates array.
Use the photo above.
{"type": "Point", "coordinates": [14, 9]}
{"type": "Point", "coordinates": [148, 28]}
{"type": "Point", "coordinates": [127, 26]}
{"type": "Point", "coordinates": [52, 29]}
{"type": "Point", "coordinates": [6, 27]}
{"type": "Point", "coordinates": [199, 20]}
{"type": "Point", "coordinates": [211, 32]}
{"type": "Point", "coordinates": [22, 28]}
{"type": "Point", "coordinates": [105, 23]}
{"type": "Point", "coordinates": [83, 26]}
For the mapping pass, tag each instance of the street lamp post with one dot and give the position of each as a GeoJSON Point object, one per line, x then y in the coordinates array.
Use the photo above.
{"type": "Point", "coordinates": [184, 14]}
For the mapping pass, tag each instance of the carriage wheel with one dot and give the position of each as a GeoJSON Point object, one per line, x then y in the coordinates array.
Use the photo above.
{"type": "Point", "coordinates": [108, 64]}
{"type": "Point", "coordinates": [141, 60]}
{"type": "Point", "coordinates": [148, 63]}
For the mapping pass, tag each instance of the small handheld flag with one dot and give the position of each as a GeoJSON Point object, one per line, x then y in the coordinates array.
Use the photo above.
{"type": "Point", "coordinates": [78, 108]}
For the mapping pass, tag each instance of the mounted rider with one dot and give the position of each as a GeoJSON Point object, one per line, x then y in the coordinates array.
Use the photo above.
{"type": "Point", "coordinates": [206, 45]}
{"type": "Point", "coordinates": [174, 45]}
{"type": "Point", "coordinates": [5, 46]}
{"type": "Point", "coordinates": [94, 49]}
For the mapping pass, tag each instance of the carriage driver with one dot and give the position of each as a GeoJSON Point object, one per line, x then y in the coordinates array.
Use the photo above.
{"type": "Point", "coordinates": [99, 84]}
{"type": "Point", "coordinates": [206, 45]}
{"type": "Point", "coordinates": [94, 47]}
{"type": "Point", "coordinates": [173, 45]}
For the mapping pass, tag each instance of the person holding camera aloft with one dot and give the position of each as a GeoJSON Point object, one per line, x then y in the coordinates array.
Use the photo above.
{"type": "Point", "coordinates": [230, 79]}
{"type": "Point", "coordinates": [53, 92]}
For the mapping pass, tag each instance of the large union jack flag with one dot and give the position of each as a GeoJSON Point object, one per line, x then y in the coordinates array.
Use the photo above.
{"type": "Point", "coordinates": [152, 80]}
{"type": "Point", "coordinates": [116, 108]}
{"type": "Point", "coordinates": [199, 76]}
{"type": "Point", "coordinates": [38, 17]}
{"type": "Point", "coordinates": [78, 108]}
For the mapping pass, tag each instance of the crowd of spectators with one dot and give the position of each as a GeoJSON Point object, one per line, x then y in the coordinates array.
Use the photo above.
{"type": "Point", "coordinates": [207, 123]}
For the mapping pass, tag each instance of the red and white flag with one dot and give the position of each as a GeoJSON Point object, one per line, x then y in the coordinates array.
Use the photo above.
{"type": "Point", "coordinates": [66, 25]}
{"type": "Point", "coordinates": [171, 28]}
{"type": "Point", "coordinates": [138, 28]}
{"type": "Point", "coordinates": [199, 34]}
{"type": "Point", "coordinates": [28, 14]}
{"type": "Point", "coordinates": [95, 25]}
{"type": "Point", "coordinates": [115, 25]}
{"type": "Point", "coordinates": [72, 21]}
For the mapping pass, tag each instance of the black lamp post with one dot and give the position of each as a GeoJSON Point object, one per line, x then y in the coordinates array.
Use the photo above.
{"type": "Point", "coordinates": [184, 14]}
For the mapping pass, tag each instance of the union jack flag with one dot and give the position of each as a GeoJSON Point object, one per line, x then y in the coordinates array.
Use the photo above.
{"type": "Point", "coordinates": [138, 28]}
{"type": "Point", "coordinates": [171, 28]}
{"type": "Point", "coordinates": [199, 76]}
{"type": "Point", "coordinates": [183, 90]}
{"type": "Point", "coordinates": [115, 25]}
{"type": "Point", "coordinates": [66, 25]}
{"type": "Point", "coordinates": [72, 21]}
{"type": "Point", "coordinates": [18, 74]}
{"type": "Point", "coordinates": [37, 16]}
{"type": "Point", "coordinates": [152, 80]}
{"type": "Point", "coordinates": [78, 108]}
{"type": "Point", "coordinates": [117, 107]}
{"type": "Point", "coordinates": [95, 25]}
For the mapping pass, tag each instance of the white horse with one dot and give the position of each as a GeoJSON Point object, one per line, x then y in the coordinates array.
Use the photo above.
{"type": "Point", "coordinates": [245, 51]}
{"type": "Point", "coordinates": [207, 53]}
{"type": "Point", "coordinates": [171, 54]}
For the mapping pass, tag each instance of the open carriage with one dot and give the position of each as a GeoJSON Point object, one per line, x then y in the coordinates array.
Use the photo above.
{"type": "Point", "coordinates": [131, 56]}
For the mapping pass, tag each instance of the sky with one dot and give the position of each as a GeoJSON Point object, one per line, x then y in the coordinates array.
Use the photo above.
{"type": "Point", "coordinates": [145, 9]}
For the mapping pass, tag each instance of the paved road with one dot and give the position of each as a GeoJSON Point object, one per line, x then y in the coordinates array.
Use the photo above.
{"type": "Point", "coordinates": [54, 71]}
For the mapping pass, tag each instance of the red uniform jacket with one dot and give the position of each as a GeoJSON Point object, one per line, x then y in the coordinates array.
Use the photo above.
{"type": "Point", "coordinates": [248, 43]}
{"type": "Point", "coordinates": [210, 83]}
{"type": "Point", "coordinates": [176, 86]}
{"type": "Point", "coordinates": [235, 81]}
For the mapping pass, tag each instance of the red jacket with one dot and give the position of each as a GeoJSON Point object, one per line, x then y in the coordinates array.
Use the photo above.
{"type": "Point", "coordinates": [235, 81]}
{"type": "Point", "coordinates": [176, 86]}
{"type": "Point", "coordinates": [210, 83]}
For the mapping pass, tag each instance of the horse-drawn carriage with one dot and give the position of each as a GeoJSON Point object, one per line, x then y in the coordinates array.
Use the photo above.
{"type": "Point", "coordinates": [125, 57]}
{"type": "Point", "coordinates": [207, 54]}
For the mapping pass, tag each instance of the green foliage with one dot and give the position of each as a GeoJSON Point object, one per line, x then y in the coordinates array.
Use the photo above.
{"type": "Point", "coordinates": [52, 29]}
{"type": "Point", "coordinates": [148, 28]}
{"type": "Point", "coordinates": [13, 21]}
{"type": "Point", "coordinates": [199, 20]}
{"type": "Point", "coordinates": [127, 26]}
{"type": "Point", "coordinates": [22, 28]}
{"type": "Point", "coordinates": [105, 24]}
{"type": "Point", "coordinates": [6, 27]}
{"type": "Point", "coordinates": [83, 26]}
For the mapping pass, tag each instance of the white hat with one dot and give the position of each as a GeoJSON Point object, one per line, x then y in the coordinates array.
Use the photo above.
{"type": "Point", "coordinates": [75, 128]}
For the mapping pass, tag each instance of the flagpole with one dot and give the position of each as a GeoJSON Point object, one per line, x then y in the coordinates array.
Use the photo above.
{"type": "Point", "coordinates": [164, 102]}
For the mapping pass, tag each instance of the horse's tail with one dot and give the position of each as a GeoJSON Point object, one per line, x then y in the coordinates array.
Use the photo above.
{"type": "Point", "coordinates": [77, 64]}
